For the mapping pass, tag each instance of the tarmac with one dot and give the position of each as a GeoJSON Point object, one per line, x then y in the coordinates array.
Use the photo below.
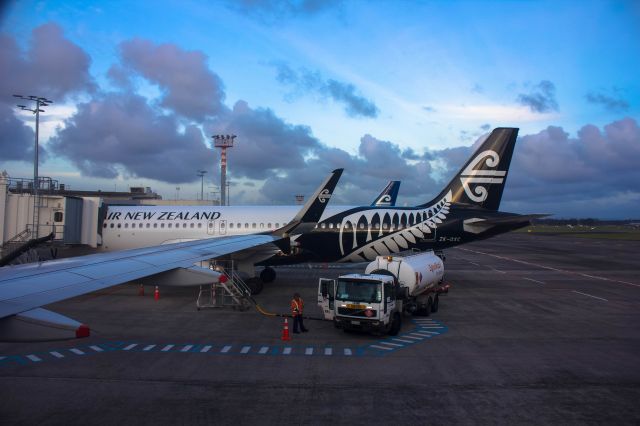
{"type": "Point", "coordinates": [535, 330]}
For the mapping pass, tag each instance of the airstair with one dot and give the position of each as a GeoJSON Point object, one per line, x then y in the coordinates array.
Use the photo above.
{"type": "Point", "coordinates": [232, 292]}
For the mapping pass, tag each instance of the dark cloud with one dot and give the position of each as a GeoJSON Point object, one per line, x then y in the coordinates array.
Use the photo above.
{"type": "Point", "coordinates": [188, 86]}
{"type": "Point", "coordinates": [272, 11]}
{"type": "Point", "coordinates": [553, 172]}
{"type": "Point", "coordinates": [16, 139]}
{"type": "Point", "coordinates": [611, 103]}
{"type": "Point", "coordinates": [122, 133]}
{"type": "Point", "coordinates": [266, 144]}
{"type": "Point", "coordinates": [541, 98]}
{"type": "Point", "coordinates": [305, 81]}
{"type": "Point", "coordinates": [52, 66]}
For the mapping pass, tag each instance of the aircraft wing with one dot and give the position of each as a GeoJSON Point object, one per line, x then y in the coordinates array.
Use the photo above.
{"type": "Point", "coordinates": [26, 287]}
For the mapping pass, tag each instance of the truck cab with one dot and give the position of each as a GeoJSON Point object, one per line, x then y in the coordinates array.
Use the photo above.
{"type": "Point", "coordinates": [364, 302]}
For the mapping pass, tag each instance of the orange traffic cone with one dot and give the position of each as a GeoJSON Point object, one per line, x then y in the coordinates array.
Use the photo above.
{"type": "Point", "coordinates": [156, 294]}
{"type": "Point", "coordinates": [285, 330]}
{"type": "Point", "coordinates": [141, 290]}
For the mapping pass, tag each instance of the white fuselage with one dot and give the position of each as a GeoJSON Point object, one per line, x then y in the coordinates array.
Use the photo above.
{"type": "Point", "coordinates": [127, 227]}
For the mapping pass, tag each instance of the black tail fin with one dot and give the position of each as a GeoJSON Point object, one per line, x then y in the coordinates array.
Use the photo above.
{"type": "Point", "coordinates": [481, 180]}
{"type": "Point", "coordinates": [387, 197]}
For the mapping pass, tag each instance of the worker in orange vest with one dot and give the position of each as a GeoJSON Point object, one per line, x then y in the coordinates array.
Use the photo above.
{"type": "Point", "coordinates": [297, 307]}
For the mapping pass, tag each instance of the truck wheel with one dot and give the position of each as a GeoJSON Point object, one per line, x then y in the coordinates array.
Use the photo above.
{"type": "Point", "coordinates": [396, 324]}
{"type": "Point", "coordinates": [427, 308]}
{"type": "Point", "coordinates": [436, 302]}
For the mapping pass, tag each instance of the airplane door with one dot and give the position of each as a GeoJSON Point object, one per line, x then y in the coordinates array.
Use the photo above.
{"type": "Point", "coordinates": [211, 227]}
{"type": "Point", "coordinates": [326, 297]}
{"type": "Point", "coordinates": [223, 227]}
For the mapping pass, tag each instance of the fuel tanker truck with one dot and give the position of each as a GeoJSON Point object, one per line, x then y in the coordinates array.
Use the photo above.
{"type": "Point", "coordinates": [391, 285]}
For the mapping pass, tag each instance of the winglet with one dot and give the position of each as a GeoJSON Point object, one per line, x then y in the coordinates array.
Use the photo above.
{"type": "Point", "coordinates": [310, 214]}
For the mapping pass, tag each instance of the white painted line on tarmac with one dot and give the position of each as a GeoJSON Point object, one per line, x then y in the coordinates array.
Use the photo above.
{"type": "Point", "coordinates": [308, 351]}
{"type": "Point", "coordinates": [589, 295]}
{"type": "Point", "coordinates": [148, 347]}
{"type": "Point", "coordinates": [549, 267]}
{"type": "Point", "coordinates": [206, 349]}
{"type": "Point", "coordinates": [34, 358]}
{"type": "Point", "coordinates": [431, 326]}
{"type": "Point", "coordinates": [131, 346]}
{"type": "Point", "coordinates": [392, 344]}
{"type": "Point", "coordinates": [531, 279]}
{"type": "Point", "coordinates": [286, 351]}
{"type": "Point", "coordinates": [225, 349]}
{"type": "Point", "coordinates": [498, 270]}
{"type": "Point", "coordinates": [167, 348]}
{"type": "Point", "coordinates": [263, 350]}
{"type": "Point", "coordinates": [76, 351]}
{"type": "Point", "coordinates": [348, 352]}
{"type": "Point", "coordinates": [186, 348]}
{"type": "Point", "coordinates": [431, 332]}
{"type": "Point", "coordinates": [381, 347]}
{"type": "Point", "coordinates": [415, 333]}
{"type": "Point", "coordinates": [328, 351]}
{"type": "Point", "coordinates": [96, 348]}
{"type": "Point", "coordinates": [245, 349]}
{"type": "Point", "coordinates": [403, 341]}
{"type": "Point", "coordinates": [56, 354]}
{"type": "Point", "coordinates": [411, 337]}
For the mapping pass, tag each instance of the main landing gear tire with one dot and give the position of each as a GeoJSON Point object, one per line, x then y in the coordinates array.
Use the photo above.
{"type": "Point", "coordinates": [268, 275]}
{"type": "Point", "coordinates": [434, 305]}
{"type": "Point", "coordinates": [255, 285]}
{"type": "Point", "coordinates": [396, 324]}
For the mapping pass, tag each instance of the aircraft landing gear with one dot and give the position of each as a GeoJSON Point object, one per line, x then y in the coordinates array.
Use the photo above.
{"type": "Point", "coordinates": [255, 285]}
{"type": "Point", "coordinates": [268, 275]}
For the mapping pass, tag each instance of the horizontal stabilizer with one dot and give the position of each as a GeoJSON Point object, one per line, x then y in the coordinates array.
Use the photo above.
{"type": "Point", "coordinates": [40, 325]}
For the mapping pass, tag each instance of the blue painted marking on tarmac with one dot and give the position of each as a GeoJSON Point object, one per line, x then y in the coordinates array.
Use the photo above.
{"type": "Point", "coordinates": [422, 331]}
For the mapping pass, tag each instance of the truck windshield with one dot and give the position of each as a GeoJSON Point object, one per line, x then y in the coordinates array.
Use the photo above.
{"type": "Point", "coordinates": [359, 291]}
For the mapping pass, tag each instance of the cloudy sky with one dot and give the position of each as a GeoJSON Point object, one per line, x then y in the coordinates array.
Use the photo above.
{"type": "Point", "coordinates": [386, 89]}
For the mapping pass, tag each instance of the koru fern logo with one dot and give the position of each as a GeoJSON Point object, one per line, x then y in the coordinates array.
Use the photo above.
{"type": "Point", "coordinates": [324, 196]}
{"type": "Point", "coordinates": [478, 177]}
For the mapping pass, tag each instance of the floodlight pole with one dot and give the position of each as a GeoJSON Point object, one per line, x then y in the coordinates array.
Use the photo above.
{"type": "Point", "coordinates": [201, 173]}
{"type": "Point", "coordinates": [40, 102]}
{"type": "Point", "coordinates": [223, 142]}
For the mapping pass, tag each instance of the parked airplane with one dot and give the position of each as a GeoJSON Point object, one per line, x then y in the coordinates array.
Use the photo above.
{"type": "Point", "coordinates": [24, 288]}
{"type": "Point", "coordinates": [466, 210]}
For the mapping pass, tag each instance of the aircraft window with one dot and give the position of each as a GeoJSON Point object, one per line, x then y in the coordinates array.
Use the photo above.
{"type": "Point", "coordinates": [184, 225]}
{"type": "Point", "coordinates": [210, 224]}
{"type": "Point", "coordinates": [169, 225]}
{"type": "Point", "coordinates": [112, 225]}
{"type": "Point", "coordinates": [155, 225]}
{"type": "Point", "coordinates": [231, 225]}
{"type": "Point", "coordinates": [162, 225]}
{"type": "Point", "coordinates": [148, 225]}
{"type": "Point", "coordinates": [385, 226]}
{"type": "Point", "coordinates": [126, 225]}
{"type": "Point", "coordinates": [331, 226]}
{"type": "Point", "coordinates": [376, 226]}
{"type": "Point", "coordinates": [261, 225]}
{"type": "Point", "coordinates": [191, 225]}
{"type": "Point", "coordinates": [246, 226]}
{"type": "Point", "coordinates": [104, 225]}
{"type": "Point", "coordinates": [57, 217]}
{"type": "Point", "coordinates": [323, 226]}
{"type": "Point", "coordinates": [199, 224]}
{"type": "Point", "coordinates": [223, 224]}
{"type": "Point", "coordinates": [268, 225]}
{"type": "Point", "coordinates": [253, 225]}
{"type": "Point", "coordinates": [361, 226]}
{"type": "Point", "coordinates": [277, 225]}
{"type": "Point", "coordinates": [119, 225]}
